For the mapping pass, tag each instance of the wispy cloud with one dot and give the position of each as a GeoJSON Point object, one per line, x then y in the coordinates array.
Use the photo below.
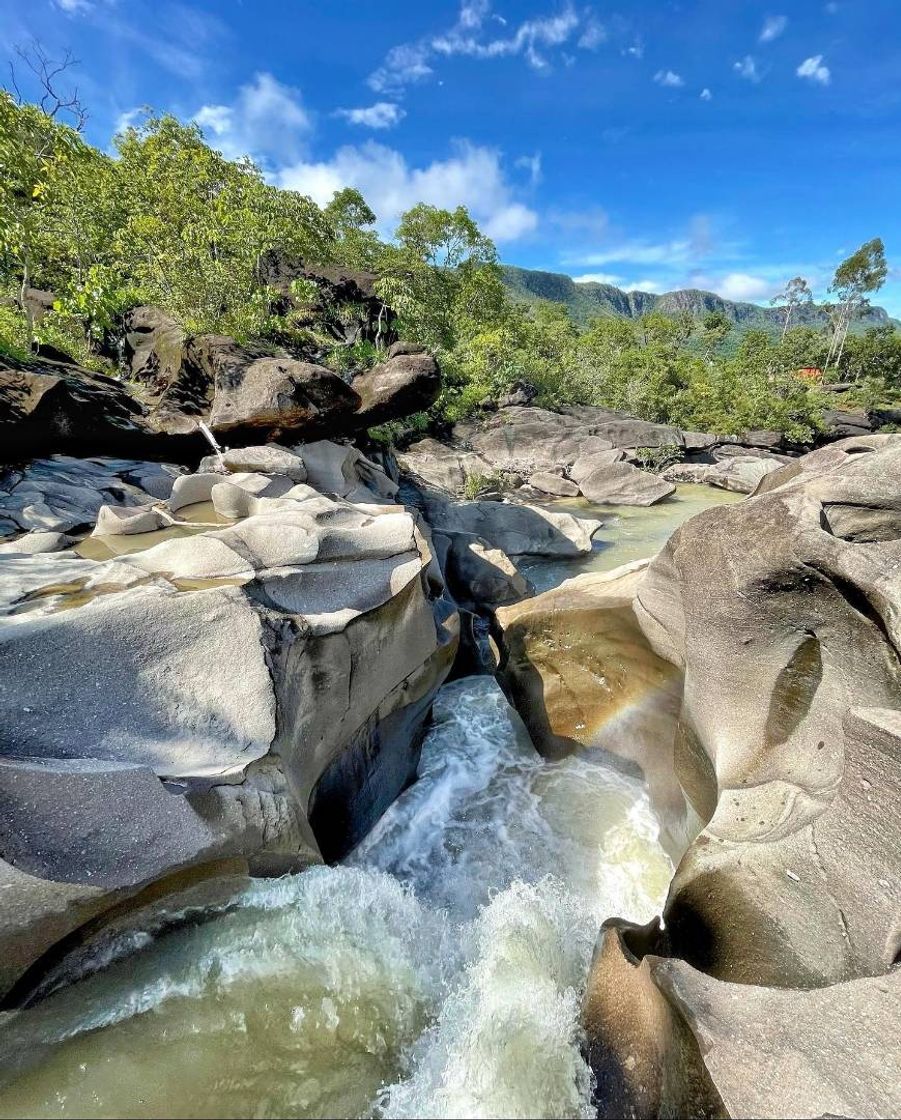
{"type": "Point", "coordinates": [383, 114]}
{"type": "Point", "coordinates": [669, 78]}
{"type": "Point", "coordinates": [747, 68]}
{"type": "Point", "coordinates": [73, 7]}
{"type": "Point", "coordinates": [266, 120]}
{"type": "Point", "coordinates": [474, 35]}
{"type": "Point", "coordinates": [773, 26]}
{"type": "Point", "coordinates": [471, 176]}
{"type": "Point", "coordinates": [706, 95]}
{"type": "Point", "coordinates": [532, 164]}
{"type": "Point", "coordinates": [579, 224]}
{"type": "Point", "coordinates": [593, 35]}
{"type": "Point", "coordinates": [598, 278]}
{"type": "Point", "coordinates": [676, 252]}
{"type": "Point", "coordinates": [814, 71]}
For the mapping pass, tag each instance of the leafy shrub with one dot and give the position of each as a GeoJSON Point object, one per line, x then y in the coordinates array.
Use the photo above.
{"type": "Point", "coordinates": [657, 459]}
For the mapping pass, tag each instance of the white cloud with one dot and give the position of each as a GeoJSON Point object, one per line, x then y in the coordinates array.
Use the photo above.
{"type": "Point", "coordinates": [403, 66]}
{"type": "Point", "coordinates": [814, 70]}
{"type": "Point", "coordinates": [706, 95]}
{"type": "Point", "coordinates": [592, 222]}
{"type": "Point", "coordinates": [472, 176]}
{"type": "Point", "coordinates": [742, 286]}
{"type": "Point", "coordinates": [747, 68]}
{"type": "Point", "coordinates": [773, 26]}
{"type": "Point", "coordinates": [669, 78]}
{"type": "Point", "coordinates": [640, 252]}
{"type": "Point", "coordinates": [598, 278]}
{"type": "Point", "coordinates": [472, 36]}
{"type": "Point", "coordinates": [128, 118]}
{"type": "Point", "coordinates": [74, 7]}
{"type": "Point", "coordinates": [594, 34]}
{"type": "Point", "coordinates": [532, 164]}
{"type": "Point", "coordinates": [383, 114]}
{"type": "Point", "coordinates": [266, 119]}
{"type": "Point", "coordinates": [529, 39]}
{"type": "Point", "coordinates": [644, 286]}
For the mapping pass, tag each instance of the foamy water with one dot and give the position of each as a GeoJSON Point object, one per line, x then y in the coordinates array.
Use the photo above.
{"type": "Point", "coordinates": [437, 973]}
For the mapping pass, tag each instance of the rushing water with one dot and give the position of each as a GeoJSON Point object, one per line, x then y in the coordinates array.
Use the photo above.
{"type": "Point", "coordinates": [437, 973]}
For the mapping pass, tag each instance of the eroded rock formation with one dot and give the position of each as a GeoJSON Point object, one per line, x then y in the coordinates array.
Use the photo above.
{"type": "Point", "coordinates": [241, 688]}
{"type": "Point", "coordinates": [782, 931]}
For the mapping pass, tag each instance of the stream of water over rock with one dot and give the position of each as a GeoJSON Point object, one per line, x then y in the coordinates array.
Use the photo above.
{"type": "Point", "coordinates": [438, 972]}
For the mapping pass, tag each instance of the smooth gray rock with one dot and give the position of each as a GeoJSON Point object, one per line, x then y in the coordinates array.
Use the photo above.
{"type": "Point", "coordinates": [126, 520]}
{"type": "Point", "coordinates": [438, 465]}
{"type": "Point", "coordinates": [553, 484]}
{"type": "Point", "coordinates": [337, 468]}
{"type": "Point", "coordinates": [189, 489]}
{"type": "Point", "coordinates": [624, 485]}
{"type": "Point", "coordinates": [518, 530]}
{"type": "Point", "coordinates": [741, 474]}
{"type": "Point", "coordinates": [269, 458]}
{"type": "Point", "coordinates": [175, 682]}
{"type": "Point", "coordinates": [35, 542]}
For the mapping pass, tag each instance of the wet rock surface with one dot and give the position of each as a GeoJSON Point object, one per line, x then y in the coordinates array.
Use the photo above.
{"type": "Point", "coordinates": [781, 927]}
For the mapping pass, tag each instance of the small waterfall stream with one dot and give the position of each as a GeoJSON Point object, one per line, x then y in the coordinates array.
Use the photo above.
{"type": "Point", "coordinates": [438, 972]}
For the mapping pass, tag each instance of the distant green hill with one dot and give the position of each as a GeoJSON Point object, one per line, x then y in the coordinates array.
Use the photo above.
{"type": "Point", "coordinates": [588, 300]}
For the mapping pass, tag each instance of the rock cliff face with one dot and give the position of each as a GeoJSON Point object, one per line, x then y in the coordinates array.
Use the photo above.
{"type": "Point", "coordinates": [588, 299]}
{"type": "Point", "coordinates": [246, 689]}
{"type": "Point", "coordinates": [781, 927]}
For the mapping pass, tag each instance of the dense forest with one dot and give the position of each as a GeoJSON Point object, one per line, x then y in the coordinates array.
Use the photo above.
{"type": "Point", "coordinates": [167, 220]}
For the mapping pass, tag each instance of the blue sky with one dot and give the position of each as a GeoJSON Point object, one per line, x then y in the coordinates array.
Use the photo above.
{"type": "Point", "coordinates": [654, 144]}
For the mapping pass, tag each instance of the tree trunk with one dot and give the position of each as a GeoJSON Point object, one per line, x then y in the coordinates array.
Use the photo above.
{"type": "Point", "coordinates": [26, 304]}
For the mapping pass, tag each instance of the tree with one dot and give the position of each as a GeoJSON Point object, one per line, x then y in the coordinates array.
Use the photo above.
{"type": "Point", "coordinates": [863, 273]}
{"type": "Point", "coordinates": [795, 295]}
{"type": "Point", "coordinates": [357, 245]}
{"type": "Point", "coordinates": [196, 225]}
{"type": "Point", "coordinates": [36, 146]}
{"type": "Point", "coordinates": [716, 327]}
{"type": "Point", "coordinates": [430, 269]}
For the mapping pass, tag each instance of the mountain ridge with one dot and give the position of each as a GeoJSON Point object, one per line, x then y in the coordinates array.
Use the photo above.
{"type": "Point", "coordinates": [588, 299]}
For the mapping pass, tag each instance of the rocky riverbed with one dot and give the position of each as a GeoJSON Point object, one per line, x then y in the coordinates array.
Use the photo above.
{"type": "Point", "coordinates": [310, 805]}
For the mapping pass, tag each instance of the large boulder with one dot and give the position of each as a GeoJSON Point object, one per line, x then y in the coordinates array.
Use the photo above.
{"type": "Point", "coordinates": [667, 1040]}
{"type": "Point", "coordinates": [435, 464]}
{"type": "Point", "coordinates": [153, 345]}
{"type": "Point", "coordinates": [515, 528]}
{"type": "Point", "coordinates": [740, 473]}
{"type": "Point", "coordinates": [407, 381]}
{"type": "Point", "coordinates": [621, 484]}
{"type": "Point", "coordinates": [237, 696]}
{"type": "Point", "coordinates": [48, 407]}
{"type": "Point", "coordinates": [804, 635]}
{"type": "Point", "coordinates": [280, 395]}
{"type": "Point", "coordinates": [528, 440]}
{"type": "Point", "coordinates": [781, 925]}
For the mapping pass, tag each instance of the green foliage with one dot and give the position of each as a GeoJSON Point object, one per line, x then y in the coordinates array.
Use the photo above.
{"type": "Point", "coordinates": [657, 459]}
{"type": "Point", "coordinates": [170, 221]}
{"type": "Point", "coordinates": [401, 433]}
{"type": "Point", "coordinates": [477, 484]}
{"type": "Point", "coordinates": [351, 359]}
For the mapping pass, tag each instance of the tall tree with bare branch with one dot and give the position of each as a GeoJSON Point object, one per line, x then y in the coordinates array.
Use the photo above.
{"type": "Point", "coordinates": [36, 141]}
{"type": "Point", "coordinates": [795, 295]}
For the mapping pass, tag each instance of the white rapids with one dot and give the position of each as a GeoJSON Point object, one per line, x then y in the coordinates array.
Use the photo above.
{"type": "Point", "coordinates": [438, 972]}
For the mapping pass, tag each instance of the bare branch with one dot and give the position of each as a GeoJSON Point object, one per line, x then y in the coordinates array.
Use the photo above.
{"type": "Point", "coordinates": [54, 101]}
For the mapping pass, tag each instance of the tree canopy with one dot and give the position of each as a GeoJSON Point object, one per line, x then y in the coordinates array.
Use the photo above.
{"type": "Point", "coordinates": [168, 220]}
